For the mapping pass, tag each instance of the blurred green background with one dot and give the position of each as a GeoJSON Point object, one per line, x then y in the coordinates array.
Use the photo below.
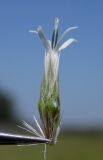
{"type": "Point", "coordinates": [70, 146]}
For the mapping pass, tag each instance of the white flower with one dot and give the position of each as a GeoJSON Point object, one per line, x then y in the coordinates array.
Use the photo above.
{"type": "Point", "coordinates": [49, 101]}
{"type": "Point", "coordinates": [52, 53]}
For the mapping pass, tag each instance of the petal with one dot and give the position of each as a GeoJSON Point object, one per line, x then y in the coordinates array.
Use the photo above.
{"type": "Point", "coordinates": [43, 38]}
{"type": "Point", "coordinates": [67, 43]}
{"type": "Point", "coordinates": [66, 32]}
{"type": "Point", "coordinates": [55, 33]}
{"type": "Point", "coordinates": [33, 31]}
{"type": "Point", "coordinates": [62, 36]}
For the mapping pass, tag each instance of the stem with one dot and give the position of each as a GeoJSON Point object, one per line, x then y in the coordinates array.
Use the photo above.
{"type": "Point", "coordinates": [45, 152]}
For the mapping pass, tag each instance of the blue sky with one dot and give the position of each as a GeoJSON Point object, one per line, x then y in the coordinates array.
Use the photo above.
{"type": "Point", "coordinates": [81, 65]}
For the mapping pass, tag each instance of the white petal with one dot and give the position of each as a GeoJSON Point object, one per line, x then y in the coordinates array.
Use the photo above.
{"type": "Point", "coordinates": [66, 32]}
{"type": "Point", "coordinates": [43, 38]}
{"type": "Point", "coordinates": [56, 21]}
{"type": "Point", "coordinates": [62, 36]}
{"type": "Point", "coordinates": [55, 33]}
{"type": "Point", "coordinates": [33, 31]}
{"type": "Point", "coordinates": [67, 43]}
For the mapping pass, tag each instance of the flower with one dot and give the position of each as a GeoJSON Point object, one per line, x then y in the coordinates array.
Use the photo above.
{"type": "Point", "coordinates": [49, 101]}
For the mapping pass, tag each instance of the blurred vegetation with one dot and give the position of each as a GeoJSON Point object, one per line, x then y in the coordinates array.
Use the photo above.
{"type": "Point", "coordinates": [69, 147]}
{"type": "Point", "coordinates": [72, 145]}
{"type": "Point", "coordinates": [6, 108]}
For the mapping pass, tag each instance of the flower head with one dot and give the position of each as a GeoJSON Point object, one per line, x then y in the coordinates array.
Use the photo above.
{"type": "Point", "coordinates": [49, 101]}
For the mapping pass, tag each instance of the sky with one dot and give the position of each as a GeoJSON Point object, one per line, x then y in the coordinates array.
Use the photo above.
{"type": "Point", "coordinates": [81, 64]}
